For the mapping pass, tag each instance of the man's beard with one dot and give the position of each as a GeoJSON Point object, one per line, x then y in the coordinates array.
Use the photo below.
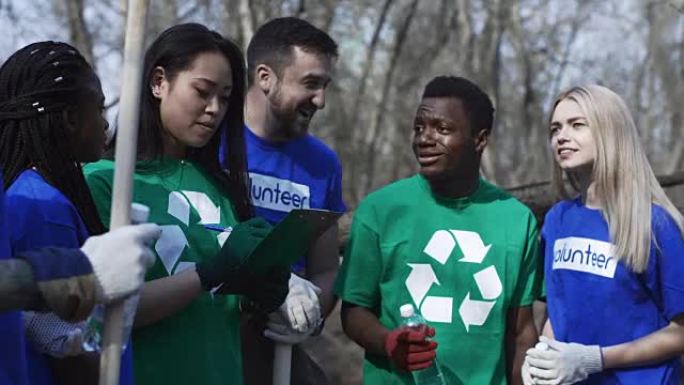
{"type": "Point", "coordinates": [290, 128]}
{"type": "Point", "coordinates": [287, 123]}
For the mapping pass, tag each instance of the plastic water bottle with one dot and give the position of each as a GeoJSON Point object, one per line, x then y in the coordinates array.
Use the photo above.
{"type": "Point", "coordinates": [92, 339]}
{"type": "Point", "coordinates": [431, 375]}
{"type": "Point", "coordinates": [93, 335]}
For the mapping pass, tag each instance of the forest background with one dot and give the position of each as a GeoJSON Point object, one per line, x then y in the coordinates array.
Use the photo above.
{"type": "Point", "coordinates": [522, 52]}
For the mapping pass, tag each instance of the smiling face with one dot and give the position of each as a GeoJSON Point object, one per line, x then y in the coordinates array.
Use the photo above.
{"type": "Point", "coordinates": [572, 141]}
{"type": "Point", "coordinates": [299, 91]}
{"type": "Point", "coordinates": [443, 141]}
{"type": "Point", "coordinates": [193, 102]}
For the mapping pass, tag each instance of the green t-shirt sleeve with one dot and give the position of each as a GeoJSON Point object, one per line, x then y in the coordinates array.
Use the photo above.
{"type": "Point", "coordinates": [530, 279]}
{"type": "Point", "coordinates": [358, 281]}
{"type": "Point", "coordinates": [100, 184]}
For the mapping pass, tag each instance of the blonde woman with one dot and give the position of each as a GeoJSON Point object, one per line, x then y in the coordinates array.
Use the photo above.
{"type": "Point", "coordinates": [614, 255]}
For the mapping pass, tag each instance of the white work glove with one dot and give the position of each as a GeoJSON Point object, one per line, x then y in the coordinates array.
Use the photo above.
{"type": "Point", "coordinates": [525, 370]}
{"type": "Point", "coordinates": [73, 344]}
{"type": "Point", "coordinates": [51, 335]}
{"type": "Point", "coordinates": [299, 316]}
{"type": "Point", "coordinates": [563, 363]}
{"type": "Point", "coordinates": [120, 259]}
{"type": "Point", "coordinates": [301, 307]}
{"type": "Point", "coordinates": [279, 330]}
{"type": "Point", "coordinates": [525, 373]}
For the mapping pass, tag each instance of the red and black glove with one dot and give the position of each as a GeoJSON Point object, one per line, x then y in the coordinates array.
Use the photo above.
{"type": "Point", "coordinates": [409, 349]}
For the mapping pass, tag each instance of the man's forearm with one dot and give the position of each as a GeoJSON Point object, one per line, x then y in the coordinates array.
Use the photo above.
{"type": "Point", "coordinates": [364, 328]}
{"type": "Point", "coordinates": [325, 282]}
{"type": "Point", "coordinates": [18, 289]}
{"type": "Point", "coordinates": [520, 336]}
{"type": "Point", "coordinates": [322, 264]}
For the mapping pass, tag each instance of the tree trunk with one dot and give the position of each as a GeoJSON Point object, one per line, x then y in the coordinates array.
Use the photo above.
{"type": "Point", "coordinates": [78, 30]}
{"type": "Point", "coordinates": [246, 22]}
{"type": "Point", "coordinates": [376, 128]}
{"type": "Point", "coordinates": [346, 133]}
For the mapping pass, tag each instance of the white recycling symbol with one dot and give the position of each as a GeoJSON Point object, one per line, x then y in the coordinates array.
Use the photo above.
{"type": "Point", "coordinates": [179, 207]}
{"type": "Point", "coordinates": [422, 277]}
{"type": "Point", "coordinates": [172, 242]}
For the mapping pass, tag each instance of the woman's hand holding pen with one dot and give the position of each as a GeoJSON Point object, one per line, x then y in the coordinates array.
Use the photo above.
{"type": "Point", "coordinates": [230, 267]}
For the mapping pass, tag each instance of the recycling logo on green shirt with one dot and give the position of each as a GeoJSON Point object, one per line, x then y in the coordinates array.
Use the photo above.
{"type": "Point", "coordinates": [422, 277]}
{"type": "Point", "coordinates": [172, 242]}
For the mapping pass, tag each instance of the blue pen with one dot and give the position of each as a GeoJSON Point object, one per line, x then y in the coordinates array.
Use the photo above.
{"type": "Point", "coordinates": [215, 228]}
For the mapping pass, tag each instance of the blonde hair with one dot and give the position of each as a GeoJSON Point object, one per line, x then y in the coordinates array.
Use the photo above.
{"type": "Point", "coordinates": [623, 179]}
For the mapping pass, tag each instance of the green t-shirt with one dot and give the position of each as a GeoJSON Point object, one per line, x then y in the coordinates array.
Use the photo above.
{"type": "Point", "coordinates": [463, 262]}
{"type": "Point", "coordinates": [201, 343]}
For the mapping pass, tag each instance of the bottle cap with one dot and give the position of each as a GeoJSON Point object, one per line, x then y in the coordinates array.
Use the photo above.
{"type": "Point", "coordinates": [542, 346]}
{"type": "Point", "coordinates": [406, 310]}
{"type": "Point", "coordinates": [139, 213]}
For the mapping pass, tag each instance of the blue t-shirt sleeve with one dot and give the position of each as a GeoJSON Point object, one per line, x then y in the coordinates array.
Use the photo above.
{"type": "Point", "coordinates": [41, 224]}
{"type": "Point", "coordinates": [48, 234]}
{"type": "Point", "coordinates": [334, 200]}
{"type": "Point", "coordinates": [670, 254]}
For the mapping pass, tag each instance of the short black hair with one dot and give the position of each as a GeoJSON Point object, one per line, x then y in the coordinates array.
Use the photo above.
{"type": "Point", "coordinates": [273, 42]}
{"type": "Point", "coordinates": [476, 102]}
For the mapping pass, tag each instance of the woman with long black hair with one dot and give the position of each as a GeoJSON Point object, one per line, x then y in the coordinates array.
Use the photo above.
{"type": "Point", "coordinates": [185, 331]}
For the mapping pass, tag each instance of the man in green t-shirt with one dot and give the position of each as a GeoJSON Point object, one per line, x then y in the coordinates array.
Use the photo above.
{"type": "Point", "coordinates": [461, 251]}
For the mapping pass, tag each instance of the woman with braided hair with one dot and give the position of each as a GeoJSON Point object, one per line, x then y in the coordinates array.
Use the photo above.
{"type": "Point", "coordinates": [51, 121]}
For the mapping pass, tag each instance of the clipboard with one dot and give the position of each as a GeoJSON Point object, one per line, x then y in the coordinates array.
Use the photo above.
{"type": "Point", "coordinates": [290, 239]}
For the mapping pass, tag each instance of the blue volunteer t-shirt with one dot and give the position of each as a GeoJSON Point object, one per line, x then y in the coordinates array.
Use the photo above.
{"type": "Point", "coordinates": [13, 369]}
{"type": "Point", "coordinates": [41, 216]}
{"type": "Point", "coordinates": [594, 299]}
{"type": "Point", "coordinates": [298, 174]}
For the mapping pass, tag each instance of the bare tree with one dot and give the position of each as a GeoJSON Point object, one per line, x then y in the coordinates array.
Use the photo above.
{"type": "Point", "coordinates": [375, 130]}
{"type": "Point", "coordinates": [666, 58]}
{"type": "Point", "coordinates": [79, 35]}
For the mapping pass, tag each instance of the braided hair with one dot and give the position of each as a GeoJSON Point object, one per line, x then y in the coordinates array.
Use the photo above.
{"type": "Point", "coordinates": [37, 84]}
